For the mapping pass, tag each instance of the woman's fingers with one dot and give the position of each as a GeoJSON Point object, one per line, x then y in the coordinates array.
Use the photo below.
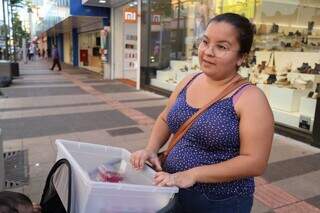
{"type": "Point", "coordinates": [135, 161]}
{"type": "Point", "coordinates": [138, 159]}
{"type": "Point", "coordinates": [142, 160]}
{"type": "Point", "coordinates": [164, 179]}
{"type": "Point", "coordinates": [156, 162]}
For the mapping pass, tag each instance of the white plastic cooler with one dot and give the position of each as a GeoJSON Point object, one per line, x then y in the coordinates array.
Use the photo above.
{"type": "Point", "coordinates": [137, 194]}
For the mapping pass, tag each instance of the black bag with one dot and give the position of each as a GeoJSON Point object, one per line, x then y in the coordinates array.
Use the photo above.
{"type": "Point", "coordinates": [50, 200]}
{"type": "Point", "coordinates": [5, 81]}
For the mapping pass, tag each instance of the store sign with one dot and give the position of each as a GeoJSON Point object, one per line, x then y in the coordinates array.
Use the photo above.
{"type": "Point", "coordinates": [130, 15]}
{"type": "Point", "coordinates": [156, 19]}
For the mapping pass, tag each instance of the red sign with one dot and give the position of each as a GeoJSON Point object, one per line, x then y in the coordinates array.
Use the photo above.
{"type": "Point", "coordinates": [130, 15]}
{"type": "Point", "coordinates": [84, 56]}
{"type": "Point", "coordinates": [156, 19]}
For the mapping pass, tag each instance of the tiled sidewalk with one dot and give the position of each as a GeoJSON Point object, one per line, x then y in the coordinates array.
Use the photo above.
{"type": "Point", "coordinates": [42, 106]}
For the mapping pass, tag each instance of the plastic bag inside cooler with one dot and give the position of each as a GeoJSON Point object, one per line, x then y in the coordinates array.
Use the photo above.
{"type": "Point", "coordinates": [118, 171]}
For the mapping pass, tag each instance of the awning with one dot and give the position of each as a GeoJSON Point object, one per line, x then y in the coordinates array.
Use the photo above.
{"type": "Point", "coordinates": [82, 23]}
{"type": "Point", "coordinates": [105, 3]}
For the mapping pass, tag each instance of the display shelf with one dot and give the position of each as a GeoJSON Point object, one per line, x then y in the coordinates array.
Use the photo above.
{"type": "Point", "coordinates": [164, 75]}
{"type": "Point", "coordinates": [314, 78]}
{"type": "Point", "coordinates": [285, 99]}
{"type": "Point", "coordinates": [283, 59]}
{"type": "Point", "coordinates": [313, 37]}
{"type": "Point", "coordinates": [308, 106]}
{"type": "Point", "coordinates": [170, 86]}
{"type": "Point", "coordinates": [177, 64]}
{"type": "Point", "coordinates": [290, 119]}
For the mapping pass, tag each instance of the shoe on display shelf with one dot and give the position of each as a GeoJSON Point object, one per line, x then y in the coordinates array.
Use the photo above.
{"type": "Point", "coordinates": [316, 69]}
{"type": "Point", "coordinates": [298, 33]}
{"type": "Point", "coordinates": [283, 83]}
{"type": "Point", "coordinates": [305, 68]}
{"type": "Point", "coordinates": [281, 78]}
{"type": "Point", "coordinates": [290, 34]}
{"type": "Point", "coordinates": [271, 79]}
{"type": "Point", "coordinates": [300, 83]}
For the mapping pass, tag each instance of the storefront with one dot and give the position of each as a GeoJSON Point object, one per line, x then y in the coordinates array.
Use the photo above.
{"type": "Point", "coordinates": [89, 51]}
{"type": "Point", "coordinates": [125, 46]}
{"type": "Point", "coordinates": [284, 62]}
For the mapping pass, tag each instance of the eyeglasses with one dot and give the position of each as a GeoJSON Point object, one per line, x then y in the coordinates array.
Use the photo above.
{"type": "Point", "coordinates": [218, 50]}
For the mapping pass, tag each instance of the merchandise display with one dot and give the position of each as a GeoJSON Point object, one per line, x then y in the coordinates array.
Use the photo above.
{"type": "Point", "coordinates": [284, 60]}
{"type": "Point", "coordinates": [130, 52]}
{"type": "Point", "coordinates": [290, 84]}
{"type": "Point", "coordinates": [170, 77]}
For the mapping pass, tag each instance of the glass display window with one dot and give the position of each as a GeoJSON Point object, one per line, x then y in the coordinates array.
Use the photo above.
{"type": "Point", "coordinates": [284, 61]}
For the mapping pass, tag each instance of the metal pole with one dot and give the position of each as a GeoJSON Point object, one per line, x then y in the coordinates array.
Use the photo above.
{"type": "Point", "coordinates": [24, 50]}
{"type": "Point", "coordinates": [13, 35]}
{"type": "Point", "coordinates": [10, 28]}
{"type": "Point", "coordinates": [178, 32]}
{"type": "Point", "coordinates": [2, 172]}
{"type": "Point", "coordinates": [6, 30]}
{"type": "Point", "coordinates": [138, 45]}
{"type": "Point", "coordinates": [316, 126]}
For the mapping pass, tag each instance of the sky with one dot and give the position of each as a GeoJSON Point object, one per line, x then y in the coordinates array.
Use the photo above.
{"type": "Point", "coordinates": [1, 16]}
{"type": "Point", "coordinates": [22, 12]}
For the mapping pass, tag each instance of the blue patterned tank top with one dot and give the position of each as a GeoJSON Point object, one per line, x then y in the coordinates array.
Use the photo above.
{"type": "Point", "coordinates": [213, 138]}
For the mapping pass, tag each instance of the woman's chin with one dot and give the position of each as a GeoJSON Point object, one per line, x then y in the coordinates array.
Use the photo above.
{"type": "Point", "coordinates": [208, 70]}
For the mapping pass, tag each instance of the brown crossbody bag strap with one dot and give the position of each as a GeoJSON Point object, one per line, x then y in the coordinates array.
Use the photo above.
{"type": "Point", "coordinates": [187, 124]}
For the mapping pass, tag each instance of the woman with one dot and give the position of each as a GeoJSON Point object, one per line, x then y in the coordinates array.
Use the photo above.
{"type": "Point", "coordinates": [214, 163]}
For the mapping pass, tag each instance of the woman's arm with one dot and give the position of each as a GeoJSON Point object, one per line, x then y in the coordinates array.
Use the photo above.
{"type": "Point", "coordinates": [256, 135]}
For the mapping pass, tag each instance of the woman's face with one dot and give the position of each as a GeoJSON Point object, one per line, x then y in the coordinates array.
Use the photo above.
{"type": "Point", "coordinates": [219, 50]}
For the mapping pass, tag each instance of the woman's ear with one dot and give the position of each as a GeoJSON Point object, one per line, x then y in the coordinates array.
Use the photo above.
{"type": "Point", "coordinates": [241, 59]}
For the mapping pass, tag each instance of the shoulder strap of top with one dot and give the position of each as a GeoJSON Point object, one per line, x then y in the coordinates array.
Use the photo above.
{"type": "Point", "coordinates": [189, 82]}
{"type": "Point", "coordinates": [240, 89]}
{"type": "Point", "coordinates": [235, 96]}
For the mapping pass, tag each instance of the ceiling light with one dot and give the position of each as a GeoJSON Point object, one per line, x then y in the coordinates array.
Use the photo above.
{"type": "Point", "coordinates": [102, 1]}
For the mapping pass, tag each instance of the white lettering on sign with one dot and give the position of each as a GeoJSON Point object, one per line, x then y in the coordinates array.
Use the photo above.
{"type": "Point", "coordinates": [130, 16]}
{"type": "Point", "coordinates": [156, 19]}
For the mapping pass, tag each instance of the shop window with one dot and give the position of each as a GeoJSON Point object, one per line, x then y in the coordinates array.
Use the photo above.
{"type": "Point", "coordinates": [284, 61]}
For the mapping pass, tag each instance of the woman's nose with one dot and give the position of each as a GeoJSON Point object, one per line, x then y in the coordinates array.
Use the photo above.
{"type": "Point", "coordinates": [208, 51]}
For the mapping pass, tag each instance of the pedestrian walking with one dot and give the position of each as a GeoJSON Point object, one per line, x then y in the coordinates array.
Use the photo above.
{"type": "Point", "coordinates": [215, 158]}
{"type": "Point", "coordinates": [55, 56]}
{"type": "Point", "coordinates": [32, 52]}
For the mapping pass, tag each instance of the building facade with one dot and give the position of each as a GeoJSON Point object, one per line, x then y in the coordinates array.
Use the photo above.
{"type": "Point", "coordinates": [153, 44]}
{"type": "Point", "coordinates": [75, 29]}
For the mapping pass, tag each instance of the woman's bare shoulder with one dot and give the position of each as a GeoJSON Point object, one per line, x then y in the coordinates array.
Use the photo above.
{"type": "Point", "coordinates": [253, 98]}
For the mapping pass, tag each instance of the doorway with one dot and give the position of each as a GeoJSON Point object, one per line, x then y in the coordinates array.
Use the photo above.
{"type": "Point", "coordinates": [125, 42]}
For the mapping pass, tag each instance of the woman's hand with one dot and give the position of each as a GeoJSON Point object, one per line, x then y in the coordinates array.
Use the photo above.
{"type": "Point", "coordinates": [139, 158]}
{"type": "Point", "coordinates": [184, 179]}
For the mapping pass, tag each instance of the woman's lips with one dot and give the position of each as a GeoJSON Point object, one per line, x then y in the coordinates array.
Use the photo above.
{"type": "Point", "coordinates": [208, 62]}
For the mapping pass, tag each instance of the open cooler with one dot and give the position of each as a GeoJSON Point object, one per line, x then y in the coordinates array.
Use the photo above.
{"type": "Point", "coordinates": [135, 193]}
